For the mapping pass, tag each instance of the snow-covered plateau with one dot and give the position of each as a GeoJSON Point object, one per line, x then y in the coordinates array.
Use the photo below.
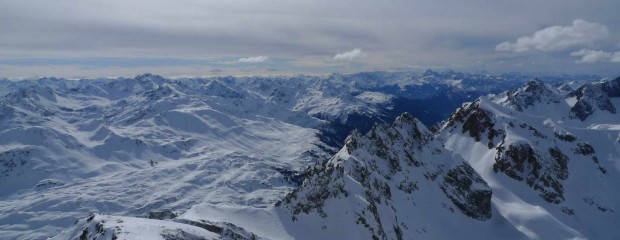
{"type": "Point", "coordinates": [311, 157]}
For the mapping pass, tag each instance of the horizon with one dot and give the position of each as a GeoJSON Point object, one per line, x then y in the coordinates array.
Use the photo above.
{"type": "Point", "coordinates": [418, 73]}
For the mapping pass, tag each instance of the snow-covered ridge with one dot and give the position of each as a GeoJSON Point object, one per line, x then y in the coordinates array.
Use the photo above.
{"type": "Point", "coordinates": [139, 146]}
{"type": "Point", "coordinates": [596, 96]}
{"type": "Point", "coordinates": [533, 92]}
{"type": "Point", "coordinates": [391, 183]}
{"type": "Point", "coordinates": [133, 146]}
{"type": "Point", "coordinates": [540, 169]}
{"type": "Point", "coordinates": [534, 153]}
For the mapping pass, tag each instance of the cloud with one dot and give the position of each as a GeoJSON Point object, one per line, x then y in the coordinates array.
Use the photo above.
{"type": "Point", "coordinates": [349, 56]}
{"type": "Point", "coordinates": [593, 56]}
{"type": "Point", "coordinates": [558, 38]}
{"type": "Point", "coordinates": [400, 33]}
{"type": "Point", "coordinates": [257, 59]}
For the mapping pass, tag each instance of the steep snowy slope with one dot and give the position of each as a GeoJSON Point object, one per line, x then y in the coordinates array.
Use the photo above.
{"type": "Point", "coordinates": [143, 146]}
{"type": "Point", "coordinates": [392, 183]}
{"type": "Point", "coordinates": [553, 168]}
{"type": "Point", "coordinates": [546, 173]}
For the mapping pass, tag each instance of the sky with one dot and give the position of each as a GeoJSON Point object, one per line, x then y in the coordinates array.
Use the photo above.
{"type": "Point", "coordinates": [110, 38]}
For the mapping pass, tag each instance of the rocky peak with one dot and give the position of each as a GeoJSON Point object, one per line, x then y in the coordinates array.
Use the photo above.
{"type": "Point", "coordinates": [351, 143]}
{"type": "Point", "coordinates": [408, 121]}
{"type": "Point", "coordinates": [476, 122]}
{"type": "Point", "coordinates": [406, 118]}
{"type": "Point", "coordinates": [594, 96]}
{"type": "Point", "coordinates": [381, 177]}
{"type": "Point", "coordinates": [534, 85]}
{"type": "Point", "coordinates": [430, 73]}
{"type": "Point", "coordinates": [534, 91]}
{"type": "Point", "coordinates": [150, 78]}
{"type": "Point", "coordinates": [612, 88]}
{"type": "Point", "coordinates": [537, 154]}
{"type": "Point", "coordinates": [542, 168]}
{"type": "Point", "coordinates": [145, 82]}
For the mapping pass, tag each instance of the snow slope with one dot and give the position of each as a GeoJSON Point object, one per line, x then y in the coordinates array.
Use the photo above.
{"type": "Point", "coordinates": [548, 173]}
{"type": "Point", "coordinates": [134, 146]}
{"type": "Point", "coordinates": [392, 183]}
{"type": "Point", "coordinates": [552, 173]}
{"type": "Point", "coordinates": [219, 153]}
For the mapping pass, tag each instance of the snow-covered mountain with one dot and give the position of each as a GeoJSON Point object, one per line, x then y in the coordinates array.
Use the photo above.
{"type": "Point", "coordinates": [552, 166]}
{"type": "Point", "coordinates": [523, 164]}
{"type": "Point", "coordinates": [135, 146]}
{"type": "Point", "coordinates": [392, 183]}
{"type": "Point", "coordinates": [217, 154]}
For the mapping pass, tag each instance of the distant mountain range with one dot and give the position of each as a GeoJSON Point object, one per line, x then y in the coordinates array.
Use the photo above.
{"type": "Point", "coordinates": [275, 158]}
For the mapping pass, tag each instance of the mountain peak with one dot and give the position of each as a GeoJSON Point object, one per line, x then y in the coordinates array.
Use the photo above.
{"type": "Point", "coordinates": [430, 73]}
{"type": "Point", "coordinates": [532, 92]}
{"type": "Point", "coordinates": [406, 118]}
{"type": "Point", "coordinates": [534, 85]}
{"type": "Point", "coordinates": [149, 77]}
{"type": "Point", "coordinates": [612, 88]}
{"type": "Point", "coordinates": [595, 96]}
{"type": "Point", "coordinates": [389, 173]}
{"type": "Point", "coordinates": [408, 121]}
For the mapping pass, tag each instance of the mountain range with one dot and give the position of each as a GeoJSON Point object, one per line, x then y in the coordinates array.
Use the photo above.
{"type": "Point", "coordinates": [311, 157]}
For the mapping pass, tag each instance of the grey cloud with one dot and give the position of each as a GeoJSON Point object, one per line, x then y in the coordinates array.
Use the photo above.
{"type": "Point", "coordinates": [397, 33]}
{"type": "Point", "coordinates": [557, 38]}
{"type": "Point", "coordinates": [593, 56]}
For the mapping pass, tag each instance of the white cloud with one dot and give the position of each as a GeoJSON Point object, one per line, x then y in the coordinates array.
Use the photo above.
{"type": "Point", "coordinates": [257, 59]}
{"type": "Point", "coordinates": [592, 56]}
{"type": "Point", "coordinates": [348, 56]}
{"type": "Point", "coordinates": [557, 38]}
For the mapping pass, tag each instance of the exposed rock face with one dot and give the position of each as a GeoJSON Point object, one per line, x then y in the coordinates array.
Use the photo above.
{"type": "Point", "coordinates": [542, 168]}
{"type": "Point", "coordinates": [581, 110]}
{"type": "Point", "coordinates": [377, 178]}
{"type": "Point", "coordinates": [459, 185]}
{"type": "Point", "coordinates": [531, 144]}
{"type": "Point", "coordinates": [533, 92]}
{"type": "Point", "coordinates": [534, 153]}
{"type": "Point", "coordinates": [12, 160]}
{"type": "Point", "coordinates": [542, 172]}
{"type": "Point", "coordinates": [594, 96]}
